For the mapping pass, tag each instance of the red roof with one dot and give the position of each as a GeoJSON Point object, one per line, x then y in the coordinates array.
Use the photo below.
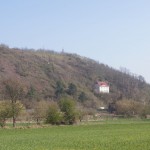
{"type": "Point", "coordinates": [102, 83]}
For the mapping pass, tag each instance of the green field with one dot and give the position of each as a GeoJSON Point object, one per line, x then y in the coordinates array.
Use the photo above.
{"type": "Point", "coordinates": [124, 135]}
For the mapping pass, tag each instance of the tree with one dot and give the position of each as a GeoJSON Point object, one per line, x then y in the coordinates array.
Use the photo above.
{"type": "Point", "coordinates": [59, 89]}
{"type": "Point", "coordinates": [128, 107]}
{"type": "Point", "coordinates": [144, 111]}
{"type": "Point", "coordinates": [54, 115]}
{"type": "Point", "coordinates": [72, 89]}
{"type": "Point", "coordinates": [8, 110]}
{"type": "Point", "coordinates": [31, 93]}
{"type": "Point", "coordinates": [16, 108]}
{"type": "Point", "coordinates": [5, 112]}
{"type": "Point", "coordinates": [141, 78]}
{"type": "Point", "coordinates": [82, 97]}
{"type": "Point", "coordinates": [67, 106]}
{"type": "Point", "coordinates": [40, 110]}
{"type": "Point", "coordinates": [14, 91]}
{"type": "Point", "coordinates": [112, 107]}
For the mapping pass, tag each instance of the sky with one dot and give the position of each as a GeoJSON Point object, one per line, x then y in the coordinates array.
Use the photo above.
{"type": "Point", "coordinates": [113, 32]}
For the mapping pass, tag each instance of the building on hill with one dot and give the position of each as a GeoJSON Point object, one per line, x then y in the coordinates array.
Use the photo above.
{"type": "Point", "coordinates": [101, 87]}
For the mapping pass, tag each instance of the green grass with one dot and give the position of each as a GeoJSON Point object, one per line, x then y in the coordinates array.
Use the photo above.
{"type": "Point", "coordinates": [110, 135]}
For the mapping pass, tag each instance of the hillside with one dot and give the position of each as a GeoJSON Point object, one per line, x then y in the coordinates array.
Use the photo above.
{"type": "Point", "coordinates": [39, 71]}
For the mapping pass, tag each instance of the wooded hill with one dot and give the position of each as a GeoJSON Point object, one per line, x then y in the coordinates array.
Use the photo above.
{"type": "Point", "coordinates": [49, 75]}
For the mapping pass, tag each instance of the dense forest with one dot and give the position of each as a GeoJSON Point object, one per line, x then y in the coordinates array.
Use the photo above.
{"type": "Point", "coordinates": [49, 75]}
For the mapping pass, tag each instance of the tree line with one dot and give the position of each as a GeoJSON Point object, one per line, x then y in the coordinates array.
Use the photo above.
{"type": "Point", "coordinates": [129, 108]}
{"type": "Point", "coordinates": [61, 112]}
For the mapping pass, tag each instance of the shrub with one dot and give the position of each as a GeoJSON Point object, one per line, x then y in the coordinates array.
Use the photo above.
{"type": "Point", "coordinates": [67, 106]}
{"type": "Point", "coordinates": [54, 115]}
{"type": "Point", "coordinates": [40, 110]}
{"type": "Point", "coordinates": [8, 110]}
{"type": "Point", "coordinates": [4, 112]}
{"type": "Point", "coordinates": [129, 108]}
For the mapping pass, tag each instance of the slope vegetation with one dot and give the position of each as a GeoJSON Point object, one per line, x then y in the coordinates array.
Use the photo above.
{"type": "Point", "coordinates": [40, 70]}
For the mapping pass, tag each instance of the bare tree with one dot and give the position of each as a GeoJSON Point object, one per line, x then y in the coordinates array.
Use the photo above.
{"type": "Point", "coordinates": [14, 91]}
{"type": "Point", "coordinates": [40, 110]}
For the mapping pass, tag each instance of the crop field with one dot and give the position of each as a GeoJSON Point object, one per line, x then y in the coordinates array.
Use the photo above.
{"type": "Point", "coordinates": [97, 136]}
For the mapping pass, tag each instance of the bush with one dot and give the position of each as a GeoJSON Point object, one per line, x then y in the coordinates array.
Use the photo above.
{"type": "Point", "coordinates": [2, 122]}
{"type": "Point", "coordinates": [67, 107]}
{"type": "Point", "coordinates": [5, 112]}
{"type": "Point", "coordinates": [54, 115]}
{"type": "Point", "coordinates": [129, 108]}
{"type": "Point", "coordinates": [40, 110]}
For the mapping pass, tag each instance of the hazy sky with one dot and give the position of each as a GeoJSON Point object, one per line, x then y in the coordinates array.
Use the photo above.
{"type": "Point", "coordinates": [114, 32]}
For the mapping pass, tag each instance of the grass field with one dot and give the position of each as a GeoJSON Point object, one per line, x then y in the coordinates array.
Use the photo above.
{"type": "Point", "coordinates": [115, 135]}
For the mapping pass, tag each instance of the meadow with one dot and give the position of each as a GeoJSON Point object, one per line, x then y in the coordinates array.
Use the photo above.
{"type": "Point", "coordinates": [111, 135]}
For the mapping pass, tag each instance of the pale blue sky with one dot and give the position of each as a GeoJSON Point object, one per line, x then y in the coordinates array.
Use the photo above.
{"type": "Point", "coordinates": [114, 32]}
